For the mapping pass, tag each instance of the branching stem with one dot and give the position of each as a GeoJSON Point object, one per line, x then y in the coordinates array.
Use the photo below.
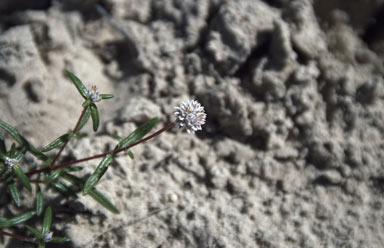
{"type": "Point", "coordinates": [65, 144]}
{"type": "Point", "coordinates": [19, 237]}
{"type": "Point", "coordinates": [55, 167]}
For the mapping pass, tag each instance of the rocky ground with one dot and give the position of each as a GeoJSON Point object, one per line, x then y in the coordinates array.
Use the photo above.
{"type": "Point", "coordinates": [292, 154]}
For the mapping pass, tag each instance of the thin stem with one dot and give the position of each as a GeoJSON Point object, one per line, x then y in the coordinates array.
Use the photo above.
{"type": "Point", "coordinates": [66, 142]}
{"type": "Point", "coordinates": [55, 167]}
{"type": "Point", "coordinates": [16, 236]}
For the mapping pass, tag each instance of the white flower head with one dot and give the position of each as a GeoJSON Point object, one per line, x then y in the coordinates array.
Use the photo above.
{"type": "Point", "coordinates": [47, 236]}
{"type": "Point", "coordinates": [10, 162]}
{"type": "Point", "coordinates": [93, 94]}
{"type": "Point", "coordinates": [191, 115]}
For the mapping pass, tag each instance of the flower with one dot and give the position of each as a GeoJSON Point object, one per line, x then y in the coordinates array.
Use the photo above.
{"type": "Point", "coordinates": [10, 162]}
{"type": "Point", "coordinates": [93, 94]}
{"type": "Point", "coordinates": [191, 115]}
{"type": "Point", "coordinates": [47, 236]}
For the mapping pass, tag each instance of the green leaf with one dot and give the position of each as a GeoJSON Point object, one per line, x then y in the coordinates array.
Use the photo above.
{"type": "Point", "coordinates": [84, 119]}
{"type": "Point", "coordinates": [61, 187]}
{"type": "Point", "coordinates": [19, 153]}
{"type": "Point", "coordinates": [12, 131]}
{"type": "Point", "coordinates": [58, 142]}
{"type": "Point", "coordinates": [34, 232]}
{"type": "Point", "coordinates": [12, 151]}
{"type": "Point", "coordinates": [86, 103]}
{"type": "Point", "coordinates": [73, 179]}
{"type": "Point", "coordinates": [106, 96]}
{"type": "Point", "coordinates": [22, 177]}
{"type": "Point", "coordinates": [97, 174]}
{"type": "Point", "coordinates": [60, 239]}
{"type": "Point", "coordinates": [95, 116]}
{"type": "Point", "coordinates": [103, 200]}
{"type": "Point", "coordinates": [128, 152]}
{"type": "Point", "coordinates": [41, 245]}
{"type": "Point", "coordinates": [14, 193]}
{"type": "Point", "coordinates": [94, 193]}
{"type": "Point", "coordinates": [53, 176]}
{"type": "Point", "coordinates": [47, 220]}
{"type": "Point", "coordinates": [21, 218]}
{"type": "Point", "coordinates": [79, 85]}
{"type": "Point", "coordinates": [4, 222]}
{"type": "Point", "coordinates": [2, 144]}
{"type": "Point", "coordinates": [38, 154]}
{"type": "Point", "coordinates": [139, 133]}
{"type": "Point", "coordinates": [73, 168]}
{"type": "Point", "coordinates": [39, 201]}
{"type": "Point", "coordinates": [21, 140]}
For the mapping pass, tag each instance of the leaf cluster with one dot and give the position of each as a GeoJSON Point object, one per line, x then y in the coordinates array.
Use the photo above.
{"type": "Point", "coordinates": [64, 180]}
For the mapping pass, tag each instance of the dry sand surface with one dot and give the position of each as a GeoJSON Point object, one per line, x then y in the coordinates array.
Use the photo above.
{"type": "Point", "coordinates": [292, 154]}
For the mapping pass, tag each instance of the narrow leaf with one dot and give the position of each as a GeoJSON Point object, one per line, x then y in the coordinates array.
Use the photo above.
{"type": "Point", "coordinates": [22, 177]}
{"type": "Point", "coordinates": [39, 202]}
{"type": "Point", "coordinates": [19, 153]}
{"type": "Point", "coordinates": [79, 85]}
{"type": "Point", "coordinates": [104, 201]}
{"type": "Point", "coordinates": [12, 131]}
{"type": "Point", "coordinates": [84, 119]}
{"type": "Point", "coordinates": [91, 181]}
{"type": "Point", "coordinates": [95, 194]}
{"type": "Point", "coordinates": [38, 154]}
{"type": "Point", "coordinates": [106, 96]}
{"type": "Point", "coordinates": [21, 140]}
{"type": "Point", "coordinates": [73, 179]}
{"type": "Point", "coordinates": [53, 175]}
{"type": "Point", "coordinates": [47, 220]}
{"type": "Point", "coordinates": [34, 231]}
{"type": "Point", "coordinates": [139, 133]}
{"type": "Point", "coordinates": [14, 193]}
{"type": "Point", "coordinates": [128, 152]}
{"type": "Point", "coordinates": [86, 103]}
{"type": "Point", "coordinates": [63, 189]}
{"type": "Point", "coordinates": [73, 168]}
{"type": "Point", "coordinates": [4, 222]}
{"type": "Point", "coordinates": [41, 245]}
{"type": "Point", "coordinates": [97, 174]}
{"type": "Point", "coordinates": [95, 116]}
{"type": "Point", "coordinates": [21, 218]}
{"type": "Point", "coordinates": [58, 142]}
{"type": "Point", "coordinates": [12, 151]}
{"type": "Point", "coordinates": [60, 239]}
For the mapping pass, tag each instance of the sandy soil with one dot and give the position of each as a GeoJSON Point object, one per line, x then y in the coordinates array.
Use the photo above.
{"type": "Point", "coordinates": [293, 151]}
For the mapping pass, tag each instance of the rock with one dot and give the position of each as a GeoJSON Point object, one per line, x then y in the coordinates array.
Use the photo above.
{"type": "Point", "coordinates": [330, 177]}
{"type": "Point", "coordinates": [307, 37]}
{"type": "Point", "coordinates": [292, 151]}
{"type": "Point", "coordinates": [189, 17]}
{"type": "Point", "coordinates": [233, 36]}
{"type": "Point", "coordinates": [139, 110]}
{"type": "Point", "coordinates": [7, 6]}
{"type": "Point", "coordinates": [225, 106]}
{"type": "Point", "coordinates": [281, 50]}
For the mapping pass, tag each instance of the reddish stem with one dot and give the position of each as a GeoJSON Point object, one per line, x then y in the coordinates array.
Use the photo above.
{"type": "Point", "coordinates": [16, 236]}
{"type": "Point", "coordinates": [55, 167]}
{"type": "Point", "coordinates": [66, 142]}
